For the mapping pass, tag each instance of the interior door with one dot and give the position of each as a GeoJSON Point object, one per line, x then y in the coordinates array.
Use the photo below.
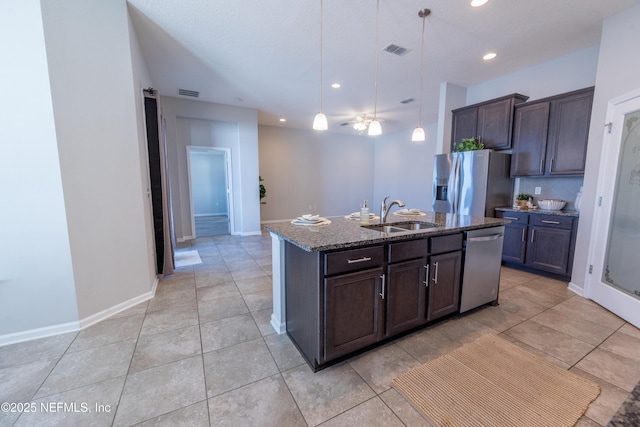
{"type": "Point", "coordinates": [616, 243]}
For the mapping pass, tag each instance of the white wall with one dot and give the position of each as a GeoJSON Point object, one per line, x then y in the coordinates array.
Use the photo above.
{"type": "Point", "coordinates": [36, 275]}
{"type": "Point", "coordinates": [94, 101]}
{"type": "Point", "coordinates": [306, 171]}
{"type": "Point", "coordinates": [574, 71]}
{"type": "Point", "coordinates": [617, 74]}
{"type": "Point", "coordinates": [404, 169]}
{"type": "Point", "coordinates": [194, 123]}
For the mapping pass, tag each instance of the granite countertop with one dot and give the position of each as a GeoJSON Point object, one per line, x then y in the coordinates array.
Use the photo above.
{"type": "Point", "coordinates": [346, 233]}
{"type": "Point", "coordinates": [564, 212]}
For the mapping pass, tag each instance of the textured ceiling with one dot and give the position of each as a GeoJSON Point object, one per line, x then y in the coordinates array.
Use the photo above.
{"type": "Point", "coordinates": [266, 54]}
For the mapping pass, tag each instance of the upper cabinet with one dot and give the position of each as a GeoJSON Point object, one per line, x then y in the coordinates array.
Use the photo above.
{"type": "Point", "coordinates": [550, 135]}
{"type": "Point", "coordinates": [489, 121]}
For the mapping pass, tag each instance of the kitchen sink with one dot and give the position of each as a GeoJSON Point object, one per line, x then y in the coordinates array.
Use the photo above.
{"type": "Point", "coordinates": [397, 227]}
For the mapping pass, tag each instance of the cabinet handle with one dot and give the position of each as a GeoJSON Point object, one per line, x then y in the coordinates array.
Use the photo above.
{"type": "Point", "coordinates": [523, 234]}
{"type": "Point", "coordinates": [426, 282]}
{"type": "Point", "coordinates": [550, 222]}
{"type": "Point", "coordinates": [363, 259]}
{"type": "Point", "coordinates": [533, 235]}
{"type": "Point", "coordinates": [435, 273]}
{"type": "Point", "coordinates": [541, 165]}
{"type": "Point", "coordinates": [512, 218]}
{"type": "Point", "coordinates": [382, 293]}
{"type": "Point", "coordinates": [551, 165]}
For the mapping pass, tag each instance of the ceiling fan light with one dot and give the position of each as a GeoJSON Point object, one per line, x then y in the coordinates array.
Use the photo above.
{"type": "Point", "coordinates": [374, 128]}
{"type": "Point", "coordinates": [418, 134]}
{"type": "Point", "coordinates": [359, 126]}
{"type": "Point", "coordinates": [320, 122]}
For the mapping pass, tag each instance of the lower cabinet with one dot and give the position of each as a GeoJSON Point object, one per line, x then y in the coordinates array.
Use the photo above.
{"type": "Point", "coordinates": [444, 284]}
{"type": "Point", "coordinates": [541, 241]}
{"type": "Point", "coordinates": [352, 312]}
{"type": "Point", "coordinates": [341, 301]}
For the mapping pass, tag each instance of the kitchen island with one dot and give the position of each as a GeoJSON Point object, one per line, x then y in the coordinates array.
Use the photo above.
{"type": "Point", "coordinates": [342, 287]}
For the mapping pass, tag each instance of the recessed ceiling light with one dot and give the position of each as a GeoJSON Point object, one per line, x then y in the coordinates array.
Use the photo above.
{"type": "Point", "coordinates": [335, 85]}
{"type": "Point", "coordinates": [283, 119]}
{"type": "Point", "coordinates": [478, 3]}
{"type": "Point", "coordinates": [489, 56]}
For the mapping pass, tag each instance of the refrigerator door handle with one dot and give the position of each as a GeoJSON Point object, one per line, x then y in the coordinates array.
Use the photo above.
{"type": "Point", "coordinates": [453, 184]}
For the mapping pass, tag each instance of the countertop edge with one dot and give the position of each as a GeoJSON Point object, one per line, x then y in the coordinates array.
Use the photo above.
{"type": "Point", "coordinates": [570, 213]}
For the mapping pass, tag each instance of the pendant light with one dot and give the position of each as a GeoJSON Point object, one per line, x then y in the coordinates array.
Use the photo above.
{"type": "Point", "coordinates": [418, 132]}
{"type": "Point", "coordinates": [374, 127]}
{"type": "Point", "coordinates": [320, 121]}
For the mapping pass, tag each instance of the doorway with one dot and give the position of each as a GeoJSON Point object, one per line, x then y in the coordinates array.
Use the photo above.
{"type": "Point", "coordinates": [616, 242]}
{"type": "Point", "coordinates": [209, 171]}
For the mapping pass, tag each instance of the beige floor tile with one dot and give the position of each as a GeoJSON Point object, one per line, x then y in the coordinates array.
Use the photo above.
{"type": "Point", "coordinates": [255, 405]}
{"type": "Point", "coordinates": [381, 365]}
{"type": "Point", "coordinates": [169, 319]}
{"type": "Point", "coordinates": [133, 311]}
{"type": "Point", "coordinates": [623, 344]}
{"type": "Point", "coordinates": [31, 351]}
{"type": "Point", "coordinates": [159, 349]}
{"type": "Point", "coordinates": [196, 415]}
{"type": "Point", "coordinates": [260, 300]}
{"type": "Point", "coordinates": [213, 278]}
{"type": "Point", "coordinates": [263, 321]}
{"type": "Point", "coordinates": [284, 352]}
{"type": "Point", "coordinates": [630, 330]}
{"type": "Point", "coordinates": [618, 370]}
{"type": "Point", "coordinates": [160, 390]}
{"type": "Point", "coordinates": [581, 308]}
{"type": "Point", "coordinates": [607, 403]}
{"type": "Point", "coordinates": [427, 344]}
{"type": "Point", "coordinates": [257, 284]}
{"type": "Point", "coordinates": [221, 308]}
{"type": "Point", "coordinates": [496, 318]}
{"type": "Point", "coordinates": [403, 409]}
{"type": "Point", "coordinates": [236, 366]}
{"type": "Point", "coordinates": [20, 383]}
{"type": "Point", "coordinates": [551, 286]}
{"type": "Point", "coordinates": [535, 295]}
{"type": "Point", "coordinates": [173, 297]}
{"type": "Point", "coordinates": [248, 273]}
{"type": "Point", "coordinates": [535, 351]}
{"type": "Point", "coordinates": [327, 393]}
{"type": "Point", "coordinates": [517, 275]}
{"type": "Point", "coordinates": [561, 346]}
{"type": "Point", "coordinates": [371, 413]}
{"type": "Point", "coordinates": [108, 332]}
{"type": "Point", "coordinates": [581, 329]}
{"type": "Point", "coordinates": [520, 306]}
{"type": "Point", "coordinates": [584, 421]}
{"type": "Point", "coordinates": [227, 332]}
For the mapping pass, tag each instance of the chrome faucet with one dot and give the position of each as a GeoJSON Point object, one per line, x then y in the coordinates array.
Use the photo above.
{"type": "Point", "coordinates": [384, 210]}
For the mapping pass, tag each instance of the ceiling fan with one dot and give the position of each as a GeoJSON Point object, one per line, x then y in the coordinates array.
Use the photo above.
{"type": "Point", "coordinates": [360, 123]}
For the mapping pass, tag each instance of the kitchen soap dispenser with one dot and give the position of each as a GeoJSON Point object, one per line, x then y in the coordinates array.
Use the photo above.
{"type": "Point", "coordinates": [364, 212]}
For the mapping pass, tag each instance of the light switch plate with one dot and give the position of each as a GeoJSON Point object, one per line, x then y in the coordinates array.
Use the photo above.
{"type": "Point", "coordinates": [538, 190]}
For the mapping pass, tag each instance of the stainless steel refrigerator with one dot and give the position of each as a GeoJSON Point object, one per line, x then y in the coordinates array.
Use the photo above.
{"type": "Point", "coordinates": [472, 182]}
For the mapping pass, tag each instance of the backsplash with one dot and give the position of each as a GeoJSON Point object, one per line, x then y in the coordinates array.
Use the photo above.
{"type": "Point", "coordinates": [551, 188]}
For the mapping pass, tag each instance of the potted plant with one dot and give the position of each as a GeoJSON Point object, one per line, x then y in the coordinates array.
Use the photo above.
{"type": "Point", "coordinates": [469, 144]}
{"type": "Point", "coordinates": [522, 199]}
{"type": "Point", "coordinates": [263, 190]}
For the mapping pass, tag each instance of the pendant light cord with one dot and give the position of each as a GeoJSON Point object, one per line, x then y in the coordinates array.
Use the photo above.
{"type": "Point", "coordinates": [424, 18]}
{"type": "Point", "coordinates": [321, 1]}
{"type": "Point", "coordinates": [375, 102]}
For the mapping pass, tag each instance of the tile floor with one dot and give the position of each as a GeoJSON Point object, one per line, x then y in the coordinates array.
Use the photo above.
{"type": "Point", "coordinates": [202, 353]}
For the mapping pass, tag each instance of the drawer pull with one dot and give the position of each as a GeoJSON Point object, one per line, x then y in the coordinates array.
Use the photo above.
{"type": "Point", "coordinates": [523, 234]}
{"type": "Point", "coordinates": [533, 235]}
{"type": "Point", "coordinates": [363, 259]}
{"type": "Point", "coordinates": [435, 273]}
{"type": "Point", "coordinates": [550, 222]}
{"type": "Point", "coordinates": [382, 293]}
{"type": "Point", "coordinates": [512, 218]}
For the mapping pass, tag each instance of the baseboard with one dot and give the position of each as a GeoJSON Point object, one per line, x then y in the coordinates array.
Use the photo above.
{"type": "Point", "coordinates": [250, 233]}
{"type": "Point", "coordinates": [576, 289]}
{"type": "Point", "coordinates": [33, 334]}
{"type": "Point", "coordinates": [104, 314]}
{"type": "Point", "coordinates": [184, 239]}
{"type": "Point", "coordinates": [63, 328]}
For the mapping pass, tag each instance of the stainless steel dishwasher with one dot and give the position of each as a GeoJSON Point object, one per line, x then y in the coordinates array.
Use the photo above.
{"type": "Point", "coordinates": [482, 260]}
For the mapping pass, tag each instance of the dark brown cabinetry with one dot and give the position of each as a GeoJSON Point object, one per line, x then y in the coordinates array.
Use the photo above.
{"type": "Point", "coordinates": [489, 121]}
{"type": "Point", "coordinates": [541, 241]}
{"type": "Point", "coordinates": [550, 135]}
{"type": "Point", "coordinates": [341, 301]}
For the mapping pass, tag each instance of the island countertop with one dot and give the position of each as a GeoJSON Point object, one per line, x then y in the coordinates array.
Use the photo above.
{"type": "Point", "coordinates": [346, 233]}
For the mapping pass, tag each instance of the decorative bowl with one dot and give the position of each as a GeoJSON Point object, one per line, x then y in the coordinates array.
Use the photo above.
{"type": "Point", "coordinates": [551, 205]}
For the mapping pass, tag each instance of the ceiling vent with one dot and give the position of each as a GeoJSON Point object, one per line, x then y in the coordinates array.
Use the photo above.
{"type": "Point", "coordinates": [186, 92]}
{"type": "Point", "coordinates": [407, 101]}
{"type": "Point", "coordinates": [396, 50]}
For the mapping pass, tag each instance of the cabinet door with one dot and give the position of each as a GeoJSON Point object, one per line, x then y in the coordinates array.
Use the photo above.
{"type": "Point", "coordinates": [515, 243]}
{"type": "Point", "coordinates": [464, 125]}
{"type": "Point", "coordinates": [406, 297]}
{"type": "Point", "coordinates": [548, 249]}
{"type": "Point", "coordinates": [444, 284]}
{"type": "Point", "coordinates": [568, 134]}
{"type": "Point", "coordinates": [530, 139]}
{"type": "Point", "coordinates": [352, 312]}
{"type": "Point", "coordinates": [494, 124]}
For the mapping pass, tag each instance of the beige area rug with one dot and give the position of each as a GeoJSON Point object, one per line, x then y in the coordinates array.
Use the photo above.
{"type": "Point", "coordinates": [186, 258]}
{"type": "Point", "coordinates": [491, 382]}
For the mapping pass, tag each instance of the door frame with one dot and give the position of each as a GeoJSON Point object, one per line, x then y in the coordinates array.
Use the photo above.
{"type": "Point", "coordinates": [229, 184]}
{"type": "Point", "coordinates": [613, 299]}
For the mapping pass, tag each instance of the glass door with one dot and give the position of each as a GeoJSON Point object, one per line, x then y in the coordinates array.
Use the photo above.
{"type": "Point", "coordinates": [616, 242]}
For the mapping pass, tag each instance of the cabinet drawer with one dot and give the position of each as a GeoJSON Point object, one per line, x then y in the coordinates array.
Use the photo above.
{"type": "Point", "coordinates": [514, 217]}
{"type": "Point", "coordinates": [352, 260]}
{"type": "Point", "coordinates": [447, 243]}
{"type": "Point", "coordinates": [552, 221]}
{"type": "Point", "coordinates": [412, 249]}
